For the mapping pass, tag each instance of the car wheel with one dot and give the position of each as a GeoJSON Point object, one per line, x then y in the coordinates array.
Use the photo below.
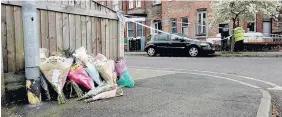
{"type": "Point", "coordinates": [193, 51]}
{"type": "Point", "coordinates": [151, 51]}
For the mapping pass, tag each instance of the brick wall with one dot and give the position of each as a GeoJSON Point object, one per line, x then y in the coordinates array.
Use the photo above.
{"type": "Point", "coordinates": [151, 12]}
{"type": "Point", "coordinates": [179, 9]}
{"type": "Point", "coordinates": [277, 25]}
{"type": "Point", "coordinates": [259, 23]}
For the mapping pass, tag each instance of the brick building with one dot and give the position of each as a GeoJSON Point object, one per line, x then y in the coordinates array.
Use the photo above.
{"type": "Point", "coordinates": [167, 15]}
{"type": "Point", "coordinates": [197, 12]}
{"type": "Point", "coordinates": [146, 12]}
{"type": "Point", "coordinates": [192, 12]}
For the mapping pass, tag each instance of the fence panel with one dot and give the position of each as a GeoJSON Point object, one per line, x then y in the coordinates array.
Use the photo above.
{"type": "Point", "coordinates": [61, 25]}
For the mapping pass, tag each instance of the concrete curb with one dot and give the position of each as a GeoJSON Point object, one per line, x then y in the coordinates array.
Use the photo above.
{"type": "Point", "coordinates": [135, 54]}
{"type": "Point", "coordinates": [265, 107]}
{"type": "Point", "coordinates": [219, 55]}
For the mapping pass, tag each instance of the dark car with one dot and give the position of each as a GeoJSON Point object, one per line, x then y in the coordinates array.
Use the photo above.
{"type": "Point", "coordinates": [176, 44]}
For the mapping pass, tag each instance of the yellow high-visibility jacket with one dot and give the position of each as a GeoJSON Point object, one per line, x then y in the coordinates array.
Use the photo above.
{"type": "Point", "coordinates": [239, 34]}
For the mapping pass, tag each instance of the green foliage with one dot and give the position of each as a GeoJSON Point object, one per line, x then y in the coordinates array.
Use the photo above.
{"type": "Point", "coordinates": [67, 52]}
{"type": "Point", "coordinates": [148, 38]}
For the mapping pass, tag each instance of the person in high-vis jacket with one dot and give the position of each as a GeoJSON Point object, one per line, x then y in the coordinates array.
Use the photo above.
{"type": "Point", "coordinates": [239, 38]}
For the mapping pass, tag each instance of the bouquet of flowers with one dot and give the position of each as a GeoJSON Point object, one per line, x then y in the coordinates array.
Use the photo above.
{"type": "Point", "coordinates": [56, 69]}
{"type": "Point", "coordinates": [79, 75]}
{"type": "Point", "coordinates": [98, 90]}
{"type": "Point", "coordinates": [108, 94]}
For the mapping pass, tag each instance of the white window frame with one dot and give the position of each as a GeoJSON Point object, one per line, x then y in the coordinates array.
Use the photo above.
{"type": "Point", "coordinates": [128, 29]}
{"type": "Point", "coordinates": [138, 3]}
{"type": "Point", "coordinates": [156, 26]}
{"type": "Point", "coordinates": [136, 32]}
{"type": "Point", "coordinates": [255, 24]}
{"type": "Point", "coordinates": [155, 2]}
{"type": "Point", "coordinates": [184, 26]}
{"type": "Point", "coordinates": [171, 24]}
{"type": "Point", "coordinates": [255, 27]}
{"type": "Point", "coordinates": [130, 4]}
{"type": "Point", "coordinates": [202, 22]}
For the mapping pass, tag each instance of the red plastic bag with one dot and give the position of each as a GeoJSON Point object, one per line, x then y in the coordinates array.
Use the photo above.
{"type": "Point", "coordinates": [80, 76]}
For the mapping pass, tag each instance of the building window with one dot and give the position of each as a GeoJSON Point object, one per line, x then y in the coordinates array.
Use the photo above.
{"type": "Point", "coordinates": [155, 2]}
{"type": "Point", "coordinates": [129, 29]}
{"type": "Point", "coordinates": [115, 5]}
{"type": "Point", "coordinates": [138, 3]}
{"type": "Point", "coordinates": [201, 22]}
{"type": "Point", "coordinates": [173, 25]}
{"type": "Point", "coordinates": [156, 27]}
{"type": "Point", "coordinates": [130, 4]}
{"type": "Point", "coordinates": [139, 30]}
{"type": "Point", "coordinates": [251, 26]}
{"type": "Point", "coordinates": [157, 24]}
{"type": "Point", "coordinates": [184, 25]}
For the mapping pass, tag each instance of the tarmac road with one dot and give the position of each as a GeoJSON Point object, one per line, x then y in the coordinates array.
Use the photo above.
{"type": "Point", "coordinates": [262, 72]}
{"type": "Point", "coordinates": [176, 95]}
{"type": "Point", "coordinates": [185, 87]}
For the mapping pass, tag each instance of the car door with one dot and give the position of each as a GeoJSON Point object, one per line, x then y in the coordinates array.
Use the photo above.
{"type": "Point", "coordinates": [177, 44]}
{"type": "Point", "coordinates": [162, 41]}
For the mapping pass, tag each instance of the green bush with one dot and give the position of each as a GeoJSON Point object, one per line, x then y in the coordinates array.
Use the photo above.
{"type": "Point", "coordinates": [148, 38]}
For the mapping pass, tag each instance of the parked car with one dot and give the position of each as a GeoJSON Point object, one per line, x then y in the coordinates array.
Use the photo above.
{"type": "Point", "coordinates": [168, 43]}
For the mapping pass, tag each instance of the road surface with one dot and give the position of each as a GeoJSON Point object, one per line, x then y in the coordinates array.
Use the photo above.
{"type": "Point", "coordinates": [258, 73]}
{"type": "Point", "coordinates": [185, 87]}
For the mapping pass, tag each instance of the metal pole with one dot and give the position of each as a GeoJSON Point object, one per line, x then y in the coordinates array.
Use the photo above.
{"type": "Point", "coordinates": [31, 51]}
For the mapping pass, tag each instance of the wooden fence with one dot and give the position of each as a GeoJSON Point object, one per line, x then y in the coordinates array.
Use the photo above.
{"type": "Point", "coordinates": [61, 25]}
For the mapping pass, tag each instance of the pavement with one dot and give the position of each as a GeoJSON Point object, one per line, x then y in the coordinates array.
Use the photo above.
{"type": "Point", "coordinates": [225, 54]}
{"type": "Point", "coordinates": [183, 87]}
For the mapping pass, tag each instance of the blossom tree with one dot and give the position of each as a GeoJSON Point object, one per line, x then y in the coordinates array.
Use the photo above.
{"type": "Point", "coordinates": [224, 11]}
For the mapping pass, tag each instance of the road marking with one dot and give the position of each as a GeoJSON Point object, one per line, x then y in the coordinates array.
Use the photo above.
{"type": "Point", "coordinates": [264, 109]}
{"type": "Point", "coordinates": [275, 86]}
{"type": "Point", "coordinates": [245, 77]}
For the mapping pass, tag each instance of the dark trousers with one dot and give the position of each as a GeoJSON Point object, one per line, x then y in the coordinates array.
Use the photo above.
{"type": "Point", "coordinates": [239, 46]}
{"type": "Point", "coordinates": [223, 45]}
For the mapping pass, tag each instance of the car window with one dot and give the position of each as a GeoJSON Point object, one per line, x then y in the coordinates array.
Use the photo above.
{"type": "Point", "coordinates": [175, 38]}
{"type": "Point", "coordinates": [153, 38]}
{"type": "Point", "coordinates": [161, 38]}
